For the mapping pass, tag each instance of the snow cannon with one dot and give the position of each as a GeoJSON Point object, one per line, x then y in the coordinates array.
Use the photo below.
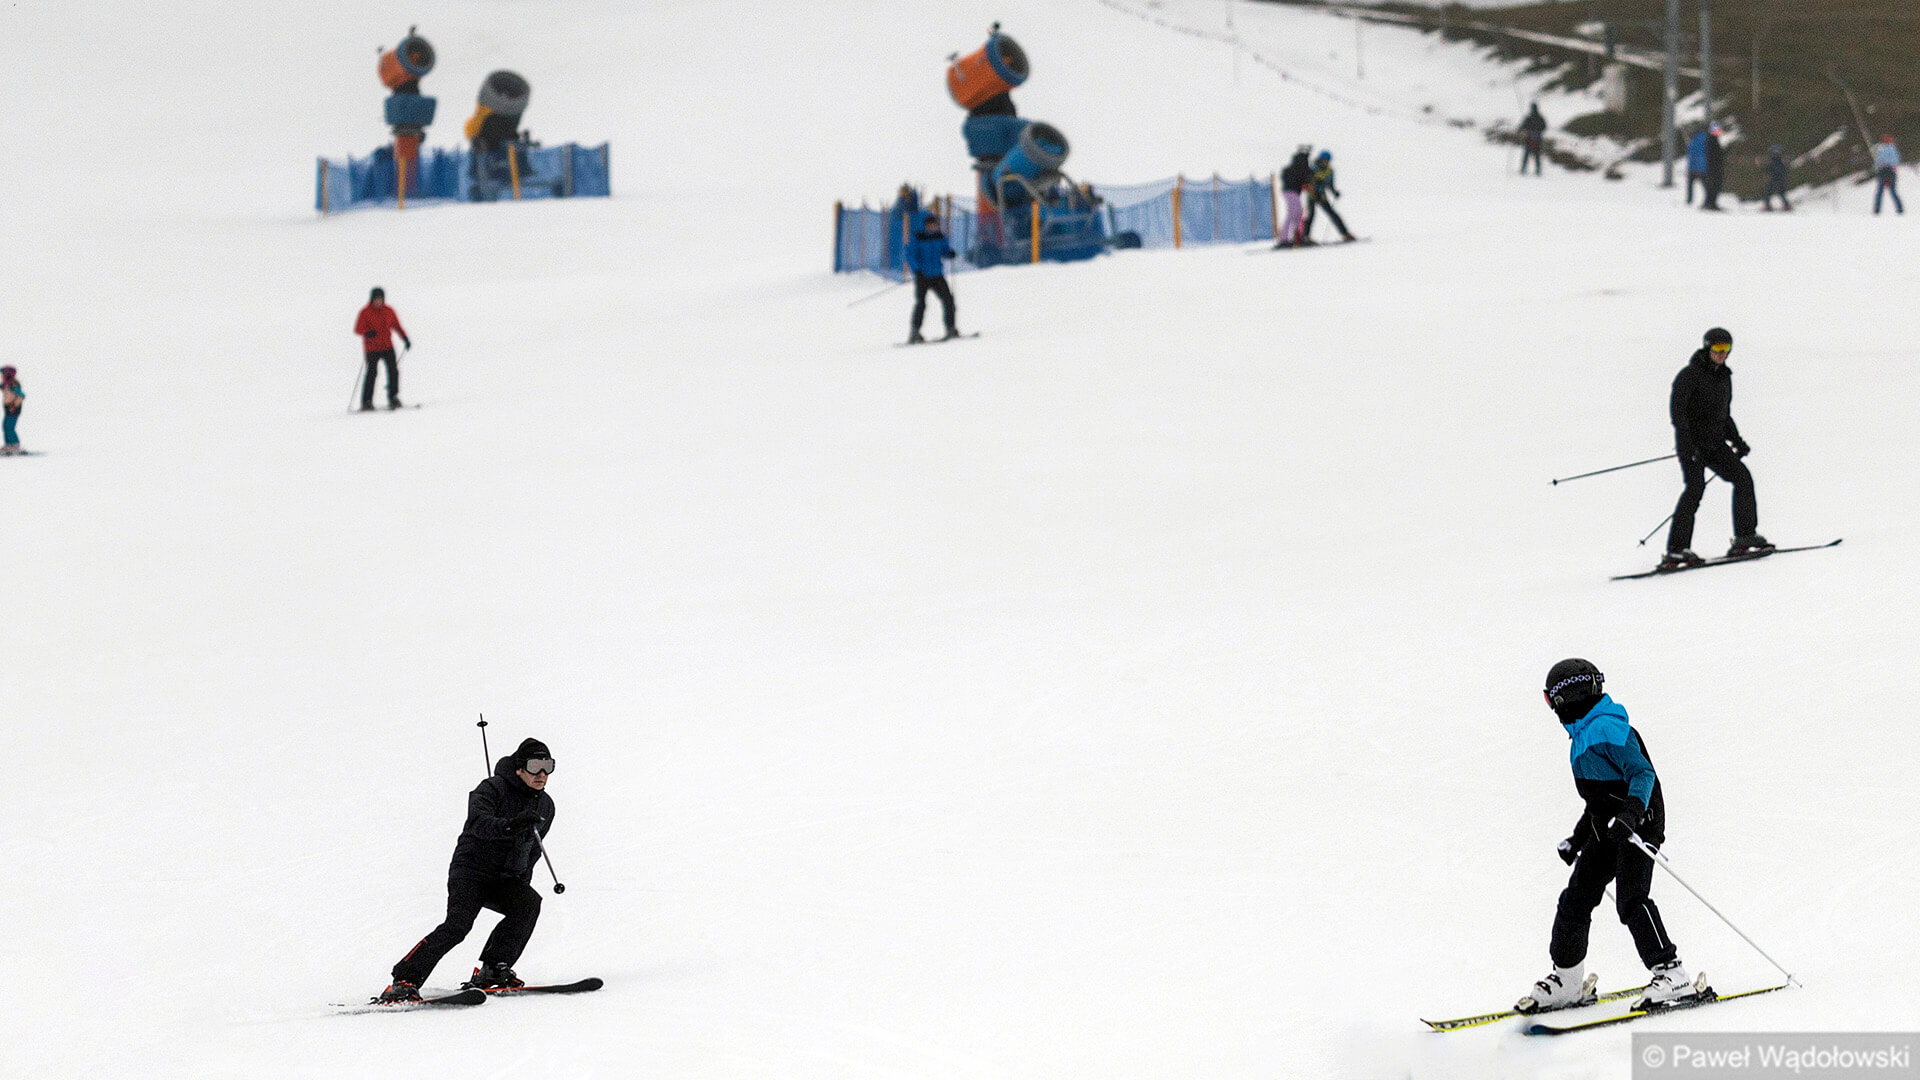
{"type": "Point", "coordinates": [496, 115]}
{"type": "Point", "coordinates": [1032, 164]}
{"type": "Point", "coordinates": [408, 111]}
{"type": "Point", "coordinates": [987, 72]}
{"type": "Point", "coordinates": [992, 136]}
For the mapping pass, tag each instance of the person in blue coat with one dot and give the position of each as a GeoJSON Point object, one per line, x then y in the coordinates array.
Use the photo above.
{"type": "Point", "coordinates": [927, 257]}
{"type": "Point", "coordinates": [1696, 162]}
{"type": "Point", "coordinates": [15, 398]}
{"type": "Point", "coordinates": [1617, 782]}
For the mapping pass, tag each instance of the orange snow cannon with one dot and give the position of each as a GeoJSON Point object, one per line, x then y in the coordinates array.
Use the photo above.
{"type": "Point", "coordinates": [406, 62]}
{"type": "Point", "coordinates": [987, 72]}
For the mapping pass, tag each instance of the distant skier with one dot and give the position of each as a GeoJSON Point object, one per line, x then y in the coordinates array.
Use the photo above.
{"type": "Point", "coordinates": [1295, 180]}
{"type": "Point", "coordinates": [1705, 437]}
{"type": "Point", "coordinates": [13, 398]}
{"type": "Point", "coordinates": [1533, 132]}
{"type": "Point", "coordinates": [1696, 162]}
{"type": "Point", "coordinates": [1322, 187]}
{"type": "Point", "coordinates": [1886, 164]}
{"type": "Point", "coordinates": [507, 816]}
{"type": "Point", "coordinates": [376, 326]}
{"type": "Point", "coordinates": [927, 257]}
{"type": "Point", "coordinates": [1776, 178]}
{"type": "Point", "coordinates": [1716, 170]}
{"type": "Point", "coordinates": [1616, 780]}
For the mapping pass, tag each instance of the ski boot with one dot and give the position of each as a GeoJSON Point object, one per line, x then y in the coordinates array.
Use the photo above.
{"type": "Point", "coordinates": [401, 990]}
{"type": "Point", "coordinates": [1670, 984]}
{"type": "Point", "coordinates": [1679, 560]}
{"type": "Point", "coordinates": [493, 977]}
{"type": "Point", "coordinates": [393, 405]}
{"type": "Point", "coordinates": [1753, 544]}
{"type": "Point", "coordinates": [366, 406]}
{"type": "Point", "coordinates": [951, 334]}
{"type": "Point", "coordinates": [915, 338]}
{"type": "Point", "coordinates": [1562, 988]}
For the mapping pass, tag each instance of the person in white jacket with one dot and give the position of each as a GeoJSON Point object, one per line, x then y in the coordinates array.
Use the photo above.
{"type": "Point", "coordinates": [1886, 162]}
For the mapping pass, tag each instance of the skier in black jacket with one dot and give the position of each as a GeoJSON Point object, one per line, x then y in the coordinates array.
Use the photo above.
{"type": "Point", "coordinates": [507, 815]}
{"type": "Point", "coordinates": [1716, 169]}
{"type": "Point", "coordinates": [1295, 181]}
{"type": "Point", "coordinates": [1705, 437]}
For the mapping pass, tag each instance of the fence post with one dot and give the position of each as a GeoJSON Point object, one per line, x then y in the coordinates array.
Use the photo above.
{"type": "Point", "coordinates": [400, 176]}
{"type": "Point", "coordinates": [1253, 208]}
{"type": "Point", "coordinates": [839, 233]}
{"type": "Point", "coordinates": [326, 201]}
{"type": "Point", "coordinates": [1273, 202]}
{"type": "Point", "coordinates": [513, 169]}
{"type": "Point", "coordinates": [1215, 238]}
{"type": "Point", "coordinates": [862, 219]}
{"type": "Point", "coordinates": [1036, 230]}
{"type": "Point", "coordinates": [1179, 182]}
{"type": "Point", "coordinates": [567, 180]}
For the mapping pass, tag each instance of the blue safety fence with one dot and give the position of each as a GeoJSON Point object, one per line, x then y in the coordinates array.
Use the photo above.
{"type": "Point", "coordinates": [546, 172]}
{"type": "Point", "coordinates": [1212, 211]}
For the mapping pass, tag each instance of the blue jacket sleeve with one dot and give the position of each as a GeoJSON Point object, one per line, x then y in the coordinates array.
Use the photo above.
{"type": "Point", "coordinates": [1634, 768]}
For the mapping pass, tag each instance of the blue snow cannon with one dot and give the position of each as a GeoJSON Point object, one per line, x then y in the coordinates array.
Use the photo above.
{"type": "Point", "coordinates": [1033, 163]}
{"type": "Point", "coordinates": [990, 138]}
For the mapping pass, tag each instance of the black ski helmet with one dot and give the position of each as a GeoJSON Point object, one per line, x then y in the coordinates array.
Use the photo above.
{"type": "Point", "coordinates": [1573, 680]}
{"type": "Point", "coordinates": [1718, 336]}
{"type": "Point", "coordinates": [378, 293]}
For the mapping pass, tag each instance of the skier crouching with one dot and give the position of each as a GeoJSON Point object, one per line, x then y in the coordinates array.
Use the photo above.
{"type": "Point", "coordinates": [507, 815]}
{"type": "Point", "coordinates": [1622, 794]}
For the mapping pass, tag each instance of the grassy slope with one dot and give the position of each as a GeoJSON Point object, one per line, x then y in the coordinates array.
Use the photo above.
{"type": "Point", "coordinates": [1870, 44]}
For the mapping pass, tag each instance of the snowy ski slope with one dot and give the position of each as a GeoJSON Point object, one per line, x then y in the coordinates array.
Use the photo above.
{"type": "Point", "coordinates": [1147, 689]}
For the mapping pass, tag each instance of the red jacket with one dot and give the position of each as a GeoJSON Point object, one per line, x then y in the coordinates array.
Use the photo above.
{"type": "Point", "coordinates": [383, 321]}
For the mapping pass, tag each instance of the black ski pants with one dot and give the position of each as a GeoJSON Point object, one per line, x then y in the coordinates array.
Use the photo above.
{"type": "Point", "coordinates": [373, 372]}
{"type": "Point", "coordinates": [465, 897]}
{"type": "Point", "coordinates": [1721, 459]}
{"type": "Point", "coordinates": [1530, 150]}
{"type": "Point", "coordinates": [1320, 203]}
{"type": "Point", "coordinates": [1631, 872]}
{"type": "Point", "coordinates": [937, 284]}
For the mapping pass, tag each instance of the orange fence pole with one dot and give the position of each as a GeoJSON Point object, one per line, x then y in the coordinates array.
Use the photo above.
{"type": "Point", "coordinates": [513, 168]}
{"type": "Point", "coordinates": [1178, 183]}
{"type": "Point", "coordinates": [400, 171]}
{"type": "Point", "coordinates": [326, 204]}
{"type": "Point", "coordinates": [1036, 231]}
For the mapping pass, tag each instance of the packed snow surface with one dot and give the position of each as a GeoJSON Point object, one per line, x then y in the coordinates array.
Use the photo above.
{"type": "Point", "coordinates": [1148, 688]}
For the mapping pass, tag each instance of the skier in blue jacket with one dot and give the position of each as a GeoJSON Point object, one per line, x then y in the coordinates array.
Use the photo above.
{"type": "Point", "coordinates": [1886, 167]}
{"type": "Point", "coordinates": [1616, 780]}
{"type": "Point", "coordinates": [926, 257]}
{"type": "Point", "coordinates": [1696, 162]}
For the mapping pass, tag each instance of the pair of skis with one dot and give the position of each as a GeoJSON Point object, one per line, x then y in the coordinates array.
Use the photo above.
{"type": "Point", "coordinates": [473, 996]}
{"type": "Point", "coordinates": [1703, 995]}
{"type": "Point", "coordinates": [1746, 556]}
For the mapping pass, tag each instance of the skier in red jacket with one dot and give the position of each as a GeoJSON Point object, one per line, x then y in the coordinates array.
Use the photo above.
{"type": "Point", "coordinates": [376, 326]}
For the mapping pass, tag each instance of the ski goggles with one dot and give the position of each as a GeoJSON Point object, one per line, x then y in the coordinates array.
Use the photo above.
{"type": "Point", "coordinates": [538, 765]}
{"type": "Point", "coordinates": [1720, 348]}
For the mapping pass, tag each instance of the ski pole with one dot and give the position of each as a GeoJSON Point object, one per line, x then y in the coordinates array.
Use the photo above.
{"type": "Point", "coordinates": [357, 376]}
{"type": "Point", "coordinates": [486, 757]}
{"type": "Point", "coordinates": [1664, 520]}
{"type": "Point", "coordinates": [881, 293]}
{"type": "Point", "coordinates": [1616, 468]}
{"type": "Point", "coordinates": [1660, 857]}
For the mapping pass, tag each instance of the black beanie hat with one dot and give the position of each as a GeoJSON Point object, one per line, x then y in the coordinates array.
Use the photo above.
{"type": "Point", "coordinates": [530, 749]}
{"type": "Point", "coordinates": [378, 293]}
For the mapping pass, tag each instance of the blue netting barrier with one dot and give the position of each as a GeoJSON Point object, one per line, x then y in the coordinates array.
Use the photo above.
{"type": "Point", "coordinates": [569, 171]}
{"type": "Point", "coordinates": [1213, 211]}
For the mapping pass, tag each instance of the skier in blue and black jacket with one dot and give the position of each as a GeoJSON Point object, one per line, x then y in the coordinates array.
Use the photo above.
{"type": "Point", "coordinates": [927, 257]}
{"type": "Point", "coordinates": [1616, 780]}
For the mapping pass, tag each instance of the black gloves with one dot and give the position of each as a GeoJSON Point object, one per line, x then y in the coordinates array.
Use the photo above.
{"type": "Point", "coordinates": [1569, 851]}
{"type": "Point", "coordinates": [522, 822]}
{"type": "Point", "coordinates": [368, 334]}
{"type": "Point", "coordinates": [407, 341]}
{"type": "Point", "coordinates": [1740, 447]}
{"type": "Point", "coordinates": [1626, 820]}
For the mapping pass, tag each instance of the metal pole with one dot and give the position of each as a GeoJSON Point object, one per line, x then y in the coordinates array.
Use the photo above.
{"type": "Point", "coordinates": [1616, 468]}
{"type": "Point", "coordinates": [1706, 60]}
{"type": "Point", "coordinates": [1660, 857]}
{"type": "Point", "coordinates": [1670, 135]}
